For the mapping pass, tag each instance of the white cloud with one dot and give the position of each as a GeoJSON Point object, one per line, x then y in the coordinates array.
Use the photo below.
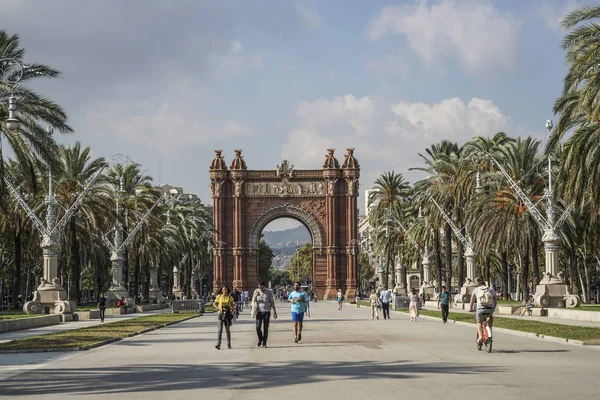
{"type": "Point", "coordinates": [474, 32]}
{"type": "Point", "coordinates": [552, 13]}
{"type": "Point", "coordinates": [309, 17]}
{"type": "Point", "coordinates": [235, 60]}
{"type": "Point", "coordinates": [388, 136]}
{"type": "Point", "coordinates": [165, 128]}
{"type": "Point", "coordinates": [449, 119]}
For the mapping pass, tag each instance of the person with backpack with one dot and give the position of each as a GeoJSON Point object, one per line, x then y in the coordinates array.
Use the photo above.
{"type": "Point", "coordinates": [486, 299]}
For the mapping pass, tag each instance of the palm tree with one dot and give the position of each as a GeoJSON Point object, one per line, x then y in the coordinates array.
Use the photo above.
{"type": "Point", "coordinates": [31, 142]}
{"type": "Point", "coordinates": [17, 227]}
{"type": "Point", "coordinates": [443, 164]}
{"type": "Point", "coordinates": [77, 170]}
{"type": "Point", "coordinates": [390, 190]}
{"type": "Point", "coordinates": [499, 219]}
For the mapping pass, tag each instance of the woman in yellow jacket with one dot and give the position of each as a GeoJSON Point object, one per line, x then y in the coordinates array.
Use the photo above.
{"type": "Point", "coordinates": [224, 303]}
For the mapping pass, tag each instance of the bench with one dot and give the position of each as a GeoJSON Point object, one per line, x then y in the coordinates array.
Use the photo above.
{"type": "Point", "coordinates": [539, 312]}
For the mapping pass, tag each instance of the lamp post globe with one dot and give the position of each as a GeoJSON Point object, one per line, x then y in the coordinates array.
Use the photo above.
{"type": "Point", "coordinates": [549, 125]}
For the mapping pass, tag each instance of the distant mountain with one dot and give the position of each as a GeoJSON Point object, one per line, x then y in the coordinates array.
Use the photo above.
{"type": "Point", "coordinates": [285, 241]}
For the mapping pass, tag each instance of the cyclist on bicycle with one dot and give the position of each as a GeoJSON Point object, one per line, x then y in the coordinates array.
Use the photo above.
{"type": "Point", "coordinates": [486, 299]}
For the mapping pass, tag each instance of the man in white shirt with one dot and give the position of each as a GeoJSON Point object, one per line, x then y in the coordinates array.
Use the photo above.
{"type": "Point", "coordinates": [262, 303]}
{"type": "Point", "coordinates": [385, 297]}
{"type": "Point", "coordinates": [486, 299]}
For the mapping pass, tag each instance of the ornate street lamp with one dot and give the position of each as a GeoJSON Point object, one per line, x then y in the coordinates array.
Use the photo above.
{"type": "Point", "coordinates": [50, 296]}
{"type": "Point", "coordinates": [552, 289]}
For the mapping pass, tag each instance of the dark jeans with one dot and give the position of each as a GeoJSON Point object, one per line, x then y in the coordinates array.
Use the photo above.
{"type": "Point", "coordinates": [102, 311]}
{"type": "Point", "coordinates": [386, 310]}
{"type": "Point", "coordinates": [263, 318]}
{"type": "Point", "coordinates": [444, 308]}
{"type": "Point", "coordinates": [227, 329]}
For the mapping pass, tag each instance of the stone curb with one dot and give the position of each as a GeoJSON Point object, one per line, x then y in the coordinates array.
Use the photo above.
{"type": "Point", "coordinates": [531, 335]}
{"type": "Point", "coordinates": [95, 345]}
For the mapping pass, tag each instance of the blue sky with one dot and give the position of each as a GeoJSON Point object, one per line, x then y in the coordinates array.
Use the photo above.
{"type": "Point", "coordinates": [288, 79]}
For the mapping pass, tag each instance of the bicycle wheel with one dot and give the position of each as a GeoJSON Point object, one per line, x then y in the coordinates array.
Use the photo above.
{"type": "Point", "coordinates": [488, 345]}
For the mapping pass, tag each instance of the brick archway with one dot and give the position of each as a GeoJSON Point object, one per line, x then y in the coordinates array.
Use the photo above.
{"type": "Point", "coordinates": [324, 200]}
{"type": "Point", "coordinates": [286, 211]}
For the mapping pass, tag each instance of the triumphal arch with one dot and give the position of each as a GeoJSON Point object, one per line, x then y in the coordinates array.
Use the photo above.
{"type": "Point", "coordinates": [324, 200]}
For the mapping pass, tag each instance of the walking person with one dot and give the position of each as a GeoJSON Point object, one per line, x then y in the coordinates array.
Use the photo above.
{"type": "Point", "coordinates": [413, 306]}
{"type": "Point", "coordinates": [298, 298]}
{"type": "Point", "coordinates": [385, 297]}
{"type": "Point", "coordinates": [225, 305]}
{"type": "Point", "coordinates": [340, 299]}
{"type": "Point", "coordinates": [237, 299]}
{"type": "Point", "coordinates": [262, 303]}
{"type": "Point", "coordinates": [375, 305]}
{"type": "Point", "coordinates": [444, 303]}
{"type": "Point", "coordinates": [102, 306]}
{"type": "Point", "coordinates": [357, 297]}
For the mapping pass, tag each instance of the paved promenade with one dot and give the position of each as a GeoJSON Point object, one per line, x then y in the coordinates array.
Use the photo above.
{"type": "Point", "coordinates": [343, 355]}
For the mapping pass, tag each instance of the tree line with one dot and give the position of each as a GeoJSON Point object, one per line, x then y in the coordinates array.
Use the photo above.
{"type": "Point", "coordinates": [173, 229]}
{"type": "Point", "coordinates": [501, 226]}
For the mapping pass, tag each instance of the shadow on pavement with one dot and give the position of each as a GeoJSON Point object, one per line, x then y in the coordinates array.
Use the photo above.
{"type": "Point", "coordinates": [230, 375]}
{"type": "Point", "coordinates": [530, 351]}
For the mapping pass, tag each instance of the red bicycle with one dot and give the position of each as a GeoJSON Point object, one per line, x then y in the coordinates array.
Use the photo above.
{"type": "Point", "coordinates": [487, 336]}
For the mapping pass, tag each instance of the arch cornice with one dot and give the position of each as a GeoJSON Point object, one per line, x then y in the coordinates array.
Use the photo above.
{"type": "Point", "coordinates": [290, 211]}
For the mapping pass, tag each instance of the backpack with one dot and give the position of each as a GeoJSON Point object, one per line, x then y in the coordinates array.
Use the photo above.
{"type": "Point", "coordinates": [484, 297]}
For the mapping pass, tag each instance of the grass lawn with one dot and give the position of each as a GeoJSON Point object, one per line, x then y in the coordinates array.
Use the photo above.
{"type": "Point", "coordinates": [541, 328]}
{"type": "Point", "coordinates": [15, 315]}
{"type": "Point", "coordinates": [589, 307]}
{"type": "Point", "coordinates": [209, 308]}
{"type": "Point", "coordinates": [86, 337]}
{"type": "Point", "coordinates": [509, 303]}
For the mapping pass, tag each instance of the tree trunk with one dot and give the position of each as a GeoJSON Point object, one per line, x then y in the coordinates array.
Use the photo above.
{"type": "Point", "coordinates": [16, 289]}
{"type": "Point", "coordinates": [505, 275]}
{"type": "Point", "coordinates": [438, 258]}
{"type": "Point", "coordinates": [488, 269]}
{"type": "Point", "coordinates": [525, 273]}
{"type": "Point", "coordinates": [136, 276]}
{"type": "Point", "coordinates": [448, 248]}
{"type": "Point", "coordinates": [572, 275]}
{"type": "Point", "coordinates": [461, 264]}
{"type": "Point", "coordinates": [535, 263]}
{"type": "Point", "coordinates": [147, 281]}
{"type": "Point", "coordinates": [75, 264]}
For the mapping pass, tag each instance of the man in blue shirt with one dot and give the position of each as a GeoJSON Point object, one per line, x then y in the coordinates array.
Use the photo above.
{"type": "Point", "coordinates": [385, 297]}
{"type": "Point", "coordinates": [444, 301]}
{"type": "Point", "coordinates": [298, 298]}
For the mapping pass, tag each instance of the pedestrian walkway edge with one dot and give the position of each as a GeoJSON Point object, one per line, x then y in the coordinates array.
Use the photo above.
{"type": "Point", "coordinates": [98, 344]}
{"type": "Point", "coordinates": [539, 336]}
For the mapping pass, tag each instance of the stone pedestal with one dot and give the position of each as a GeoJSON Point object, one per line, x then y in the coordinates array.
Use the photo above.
{"type": "Point", "coordinates": [552, 289]}
{"type": "Point", "coordinates": [427, 286]}
{"type": "Point", "coordinates": [177, 292]}
{"type": "Point", "coordinates": [50, 297]}
{"type": "Point", "coordinates": [155, 293]}
{"type": "Point", "coordinates": [464, 296]}
{"type": "Point", "coordinates": [117, 290]}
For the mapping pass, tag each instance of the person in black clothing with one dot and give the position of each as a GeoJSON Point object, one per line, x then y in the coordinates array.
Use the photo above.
{"type": "Point", "coordinates": [237, 298]}
{"type": "Point", "coordinates": [102, 306]}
